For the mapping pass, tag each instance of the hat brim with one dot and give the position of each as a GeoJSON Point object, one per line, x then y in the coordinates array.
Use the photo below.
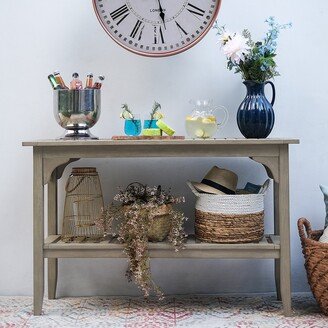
{"type": "Point", "coordinates": [207, 189]}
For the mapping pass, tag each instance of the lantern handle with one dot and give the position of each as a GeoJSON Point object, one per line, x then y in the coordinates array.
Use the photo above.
{"type": "Point", "coordinates": [75, 187]}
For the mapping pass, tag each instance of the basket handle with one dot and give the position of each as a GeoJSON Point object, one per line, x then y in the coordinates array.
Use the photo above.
{"type": "Point", "coordinates": [301, 223]}
{"type": "Point", "coordinates": [193, 189]}
{"type": "Point", "coordinates": [265, 187]}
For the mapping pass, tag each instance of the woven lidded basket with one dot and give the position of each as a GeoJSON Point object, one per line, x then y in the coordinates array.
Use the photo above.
{"type": "Point", "coordinates": [159, 222]}
{"type": "Point", "coordinates": [316, 262]}
{"type": "Point", "coordinates": [229, 219]}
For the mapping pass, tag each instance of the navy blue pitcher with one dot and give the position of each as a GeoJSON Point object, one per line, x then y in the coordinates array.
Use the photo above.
{"type": "Point", "coordinates": [255, 116]}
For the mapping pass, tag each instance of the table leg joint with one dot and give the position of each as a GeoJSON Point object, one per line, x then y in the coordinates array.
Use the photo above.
{"type": "Point", "coordinates": [58, 163]}
{"type": "Point", "coordinates": [271, 165]}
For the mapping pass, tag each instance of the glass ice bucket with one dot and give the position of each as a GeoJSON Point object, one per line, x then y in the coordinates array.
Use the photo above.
{"type": "Point", "coordinates": [77, 111]}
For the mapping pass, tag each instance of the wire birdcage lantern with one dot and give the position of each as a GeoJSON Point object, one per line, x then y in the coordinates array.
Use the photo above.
{"type": "Point", "coordinates": [83, 204]}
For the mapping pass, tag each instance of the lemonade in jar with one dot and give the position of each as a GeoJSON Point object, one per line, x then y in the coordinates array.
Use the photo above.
{"type": "Point", "coordinates": [202, 123]}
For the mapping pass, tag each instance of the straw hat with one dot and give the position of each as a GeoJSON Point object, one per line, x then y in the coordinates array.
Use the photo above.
{"type": "Point", "coordinates": [218, 181]}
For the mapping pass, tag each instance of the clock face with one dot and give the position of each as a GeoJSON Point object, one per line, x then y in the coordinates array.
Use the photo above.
{"type": "Point", "coordinates": [157, 28]}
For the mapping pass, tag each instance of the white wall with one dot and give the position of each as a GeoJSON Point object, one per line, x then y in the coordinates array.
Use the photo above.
{"type": "Point", "coordinates": [40, 36]}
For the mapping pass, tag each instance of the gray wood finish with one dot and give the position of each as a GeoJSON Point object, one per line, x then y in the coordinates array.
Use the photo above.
{"type": "Point", "coordinates": [52, 230]}
{"type": "Point", "coordinates": [106, 142]}
{"type": "Point", "coordinates": [268, 247]}
{"type": "Point", "coordinates": [38, 231]}
{"type": "Point", "coordinates": [50, 157]}
{"type": "Point", "coordinates": [276, 231]}
{"type": "Point", "coordinates": [284, 230]}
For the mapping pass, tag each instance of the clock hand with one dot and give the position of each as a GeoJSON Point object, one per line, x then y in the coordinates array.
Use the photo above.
{"type": "Point", "coordinates": [162, 14]}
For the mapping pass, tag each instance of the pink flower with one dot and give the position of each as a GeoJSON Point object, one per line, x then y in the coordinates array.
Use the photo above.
{"type": "Point", "coordinates": [236, 48]}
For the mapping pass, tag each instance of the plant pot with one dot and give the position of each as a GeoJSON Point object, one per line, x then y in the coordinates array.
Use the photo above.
{"type": "Point", "coordinates": [255, 116]}
{"type": "Point", "coordinates": [159, 221]}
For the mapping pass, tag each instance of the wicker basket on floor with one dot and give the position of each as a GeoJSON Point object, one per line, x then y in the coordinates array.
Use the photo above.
{"type": "Point", "coordinates": [229, 219]}
{"type": "Point", "coordinates": [316, 262]}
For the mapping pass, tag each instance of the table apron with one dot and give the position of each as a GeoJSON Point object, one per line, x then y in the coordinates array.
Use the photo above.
{"type": "Point", "coordinates": [124, 151]}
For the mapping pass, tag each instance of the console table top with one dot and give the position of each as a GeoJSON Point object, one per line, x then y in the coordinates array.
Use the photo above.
{"type": "Point", "coordinates": [110, 142]}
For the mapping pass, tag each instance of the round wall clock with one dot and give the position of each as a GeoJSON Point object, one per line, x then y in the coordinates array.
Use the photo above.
{"type": "Point", "coordinates": [156, 28]}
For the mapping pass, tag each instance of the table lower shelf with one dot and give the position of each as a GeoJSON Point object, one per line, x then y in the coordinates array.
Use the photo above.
{"type": "Point", "coordinates": [267, 248]}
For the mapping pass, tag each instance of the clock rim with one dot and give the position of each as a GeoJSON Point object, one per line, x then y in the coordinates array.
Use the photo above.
{"type": "Point", "coordinates": [163, 54]}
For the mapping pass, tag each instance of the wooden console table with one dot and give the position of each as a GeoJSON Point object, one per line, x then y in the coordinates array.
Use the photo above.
{"type": "Point", "coordinates": [50, 157]}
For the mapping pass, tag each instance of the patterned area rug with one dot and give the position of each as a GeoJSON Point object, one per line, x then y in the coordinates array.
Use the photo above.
{"type": "Point", "coordinates": [256, 311]}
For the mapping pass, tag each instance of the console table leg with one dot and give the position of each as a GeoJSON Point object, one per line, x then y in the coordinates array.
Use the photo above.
{"type": "Point", "coordinates": [277, 278]}
{"type": "Point", "coordinates": [38, 231]}
{"type": "Point", "coordinates": [276, 232]}
{"type": "Point", "coordinates": [271, 164]}
{"type": "Point", "coordinates": [284, 227]}
{"type": "Point", "coordinates": [52, 230]}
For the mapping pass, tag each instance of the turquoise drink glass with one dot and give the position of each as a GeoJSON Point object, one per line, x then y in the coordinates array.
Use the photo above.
{"type": "Point", "coordinates": [132, 127]}
{"type": "Point", "coordinates": [150, 124]}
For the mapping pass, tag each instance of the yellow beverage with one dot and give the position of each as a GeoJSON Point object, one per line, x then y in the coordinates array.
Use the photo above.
{"type": "Point", "coordinates": [202, 127]}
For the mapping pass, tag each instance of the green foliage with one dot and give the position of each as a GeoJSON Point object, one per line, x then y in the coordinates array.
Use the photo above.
{"type": "Point", "coordinates": [254, 60]}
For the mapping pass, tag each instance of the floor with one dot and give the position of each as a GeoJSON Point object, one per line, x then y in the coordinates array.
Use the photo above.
{"type": "Point", "coordinates": [257, 311]}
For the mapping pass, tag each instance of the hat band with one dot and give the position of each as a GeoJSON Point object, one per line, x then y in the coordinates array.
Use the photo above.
{"type": "Point", "coordinates": [217, 186]}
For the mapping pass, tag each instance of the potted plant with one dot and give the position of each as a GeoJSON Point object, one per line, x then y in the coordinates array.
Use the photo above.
{"type": "Point", "coordinates": [144, 214]}
{"type": "Point", "coordinates": [255, 61]}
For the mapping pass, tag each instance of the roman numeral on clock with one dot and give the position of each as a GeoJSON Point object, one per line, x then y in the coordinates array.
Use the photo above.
{"type": "Point", "coordinates": [195, 10]}
{"type": "Point", "coordinates": [120, 13]}
{"type": "Point", "coordinates": [136, 29]}
{"type": "Point", "coordinates": [181, 29]}
{"type": "Point", "coordinates": [158, 35]}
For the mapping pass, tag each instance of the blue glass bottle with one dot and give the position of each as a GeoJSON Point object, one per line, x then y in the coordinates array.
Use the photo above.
{"type": "Point", "coordinates": [132, 127]}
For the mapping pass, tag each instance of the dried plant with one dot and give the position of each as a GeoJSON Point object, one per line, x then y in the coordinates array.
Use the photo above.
{"type": "Point", "coordinates": [106, 218]}
{"type": "Point", "coordinates": [138, 202]}
{"type": "Point", "coordinates": [138, 193]}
